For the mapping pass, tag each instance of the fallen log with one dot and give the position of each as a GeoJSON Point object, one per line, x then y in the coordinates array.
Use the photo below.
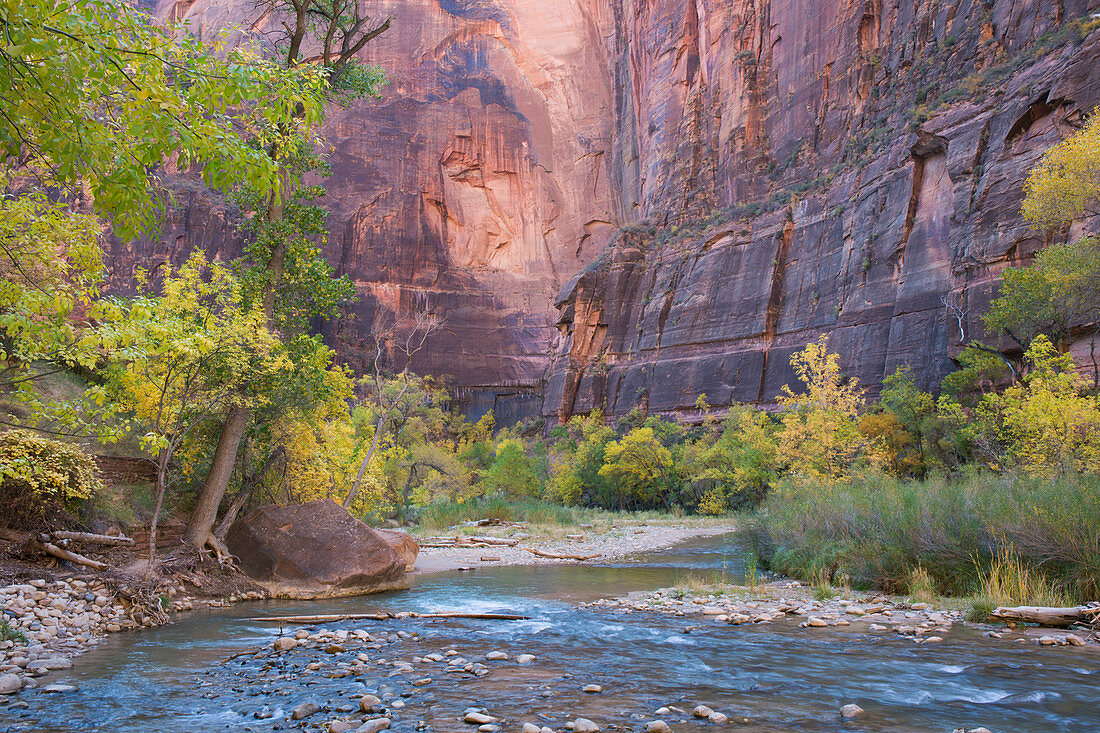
{"type": "Point", "coordinates": [1044, 615]}
{"type": "Point", "coordinates": [331, 617]}
{"type": "Point", "coordinates": [92, 539]}
{"type": "Point", "coordinates": [492, 541]}
{"type": "Point", "coordinates": [52, 549]}
{"type": "Point", "coordinates": [553, 556]}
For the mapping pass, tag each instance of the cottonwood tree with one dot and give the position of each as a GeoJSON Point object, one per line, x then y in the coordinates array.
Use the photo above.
{"type": "Point", "coordinates": [287, 274]}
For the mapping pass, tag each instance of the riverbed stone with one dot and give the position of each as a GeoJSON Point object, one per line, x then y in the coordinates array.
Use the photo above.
{"type": "Point", "coordinates": [1074, 640]}
{"type": "Point", "coordinates": [304, 710]}
{"type": "Point", "coordinates": [658, 726]}
{"type": "Point", "coordinates": [475, 718]}
{"type": "Point", "coordinates": [851, 711]}
{"type": "Point", "coordinates": [718, 718]}
{"type": "Point", "coordinates": [53, 663]}
{"type": "Point", "coordinates": [283, 643]}
{"type": "Point", "coordinates": [496, 655]}
{"type": "Point", "coordinates": [10, 683]}
{"type": "Point", "coordinates": [702, 711]}
{"type": "Point", "coordinates": [374, 725]}
{"type": "Point", "coordinates": [531, 728]}
{"type": "Point", "coordinates": [593, 689]}
{"type": "Point", "coordinates": [584, 725]}
{"type": "Point", "coordinates": [526, 659]}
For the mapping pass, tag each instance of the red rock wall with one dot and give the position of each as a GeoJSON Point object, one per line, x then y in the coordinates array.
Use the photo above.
{"type": "Point", "coordinates": [849, 168]}
{"type": "Point", "coordinates": [794, 167]}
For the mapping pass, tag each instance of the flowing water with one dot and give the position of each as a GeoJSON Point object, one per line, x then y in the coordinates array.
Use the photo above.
{"type": "Point", "coordinates": [772, 677]}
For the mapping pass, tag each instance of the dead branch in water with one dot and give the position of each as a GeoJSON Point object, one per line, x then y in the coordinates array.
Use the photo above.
{"type": "Point", "coordinates": [553, 556]}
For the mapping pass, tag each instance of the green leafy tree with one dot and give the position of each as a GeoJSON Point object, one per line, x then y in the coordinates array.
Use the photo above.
{"type": "Point", "coordinates": [737, 468]}
{"type": "Point", "coordinates": [512, 472]}
{"type": "Point", "coordinates": [638, 469]}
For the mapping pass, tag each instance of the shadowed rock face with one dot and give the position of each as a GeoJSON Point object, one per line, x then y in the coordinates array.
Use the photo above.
{"type": "Point", "coordinates": [785, 168]}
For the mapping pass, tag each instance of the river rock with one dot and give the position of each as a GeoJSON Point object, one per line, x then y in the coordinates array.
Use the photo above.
{"type": "Point", "coordinates": [314, 550]}
{"type": "Point", "coordinates": [304, 710]}
{"type": "Point", "coordinates": [283, 643]}
{"type": "Point", "coordinates": [474, 718]}
{"type": "Point", "coordinates": [593, 689]}
{"type": "Point", "coordinates": [702, 711]}
{"type": "Point", "coordinates": [401, 543]}
{"type": "Point", "coordinates": [718, 718]}
{"type": "Point", "coordinates": [1074, 640]}
{"type": "Point", "coordinates": [584, 725]}
{"type": "Point", "coordinates": [658, 726]}
{"type": "Point", "coordinates": [339, 726]}
{"type": "Point", "coordinates": [526, 659]}
{"type": "Point", "coordinates": [374, 725]}
{"type": "Point", "coordinates": [58, 689]}
{"type": "Point", "coordinates": [531, 728]}
{"type": "Point", "coordinates": [496, 656]}
{"type": "Point", "coordinates": [850, 711]}
{"type": "Point", "coordinates": [10, 683]}
{"type": "Point", "coordinates": [370, 704]}
{"type": "Point", "coordinates": [54, 663]}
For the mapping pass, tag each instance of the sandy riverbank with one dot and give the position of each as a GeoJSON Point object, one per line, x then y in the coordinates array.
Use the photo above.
{"type": "Point", "coordinates": [608, 542]}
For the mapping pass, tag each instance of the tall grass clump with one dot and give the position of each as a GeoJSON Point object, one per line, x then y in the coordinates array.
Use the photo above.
{"type": "Point", "coordinates": [443, 514]}
{"type": "Point", "coordinates": [879, 530]}
{"type": "Point", "coordinates": [1010, 581]}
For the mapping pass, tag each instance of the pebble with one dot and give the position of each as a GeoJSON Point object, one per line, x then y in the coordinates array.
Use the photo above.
{"type": "Point", "coordinates": [658, 726]}
{"type": "Point", "coordinates": [1074, 640]}
{"type": "Point", "coordinates": [526, 659]}
{"type": "Point", "coordinates": [305, 710]}
{"type": "Point", "coordinates": [478, 718]}
{"type": "Point", "coordinates": [374, 725]}
{"type": "Point", "coordinates": [851, 711]}
{"type": "Point", "coordinates": [338, 726]}
{"type": "Point", "coordinates": [56, 689]}
{"type": "Point", "coordinates": [718, 718]}
{"type": "Point", "coordinates": [593, 689]}
{"type": "Point", "coordinates": [494, 656]}
{"type": "Point", "coordinates": [370, 704]}
{"type": "Point", "coordinates": [531, 728]}
{"type": "Point", "coordinates": [702, 711]}
{"type": "Point", "coordinates": [584, 725]}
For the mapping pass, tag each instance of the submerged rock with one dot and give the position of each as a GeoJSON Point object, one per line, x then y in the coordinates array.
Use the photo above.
{"type": "Point", "coordinates": [850, 711]}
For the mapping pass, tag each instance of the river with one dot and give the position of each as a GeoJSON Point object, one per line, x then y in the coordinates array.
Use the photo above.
{"type": "Point", "coordinates": [772, 677]}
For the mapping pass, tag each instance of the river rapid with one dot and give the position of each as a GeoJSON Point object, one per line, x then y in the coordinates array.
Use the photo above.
{"type": "Point", "coordinates": [772, 677]}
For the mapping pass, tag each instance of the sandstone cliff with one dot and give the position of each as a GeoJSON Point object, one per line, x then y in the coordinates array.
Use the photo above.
{"type": "Point", "coordinates": [782, 168]}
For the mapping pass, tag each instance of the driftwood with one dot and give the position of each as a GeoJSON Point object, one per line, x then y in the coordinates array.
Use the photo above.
{"type": "Point", "coordinates": [92, 539]}
{"type": "Point", "coordinates": [1047, 615]}
{"type": "Point", "coordinates": [330, 617]}
{"type": "Point", "coordinates": [553, 556]}
{"type": "Point", "coordinates": [52, 549]}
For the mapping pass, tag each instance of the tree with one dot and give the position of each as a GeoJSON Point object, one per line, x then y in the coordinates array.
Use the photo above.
{"type": "Point", "coordinates": [1058, 292]}
{"type": "Point", "coordinates": [913, 411]}
{"type": "Point", "coordinates": [395, 399]}
{"type": "Point", "coordinates": [820, 437]}
{"type": "Point", "coordinates": [198, 351]}
{"type": "Point", "coordinates": [93, 94]}
{"type": "Point", "coordinates": [512, 472]}
{"type": "Point", "coordinates": [738, 467]}
{"type": "Point", "coordinates": [284, 224]}
{"type": "Point", "coordinates": [1048, 425]}
{"type": "Point", "coordinates": [1065, 185]}
{"type": "Point", "coordinates": [638, 468]}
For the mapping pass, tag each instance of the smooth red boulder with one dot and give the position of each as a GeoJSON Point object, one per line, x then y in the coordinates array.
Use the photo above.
{"type": "Point", "coordinates": [404, 545]}
{"type": "Point", "coordinates": [315, 550]}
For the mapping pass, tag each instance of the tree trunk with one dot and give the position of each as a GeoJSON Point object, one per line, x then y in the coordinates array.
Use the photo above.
{"type": "Point", "coordinates": [200, 528]}
{"type": "Point", "coordinates": [366, 460]}
{"type": "Point", "coordinates": [231, 513]}
{"type": "Point", "coordinates": [162, 484]}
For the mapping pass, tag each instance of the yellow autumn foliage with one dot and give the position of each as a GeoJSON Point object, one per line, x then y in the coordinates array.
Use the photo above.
{"type": "Point", "coordinates": [1065, 185]}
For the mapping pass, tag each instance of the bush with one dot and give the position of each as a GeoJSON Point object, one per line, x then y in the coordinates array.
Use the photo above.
{"type": "Point", "coordinates": [39, 475]}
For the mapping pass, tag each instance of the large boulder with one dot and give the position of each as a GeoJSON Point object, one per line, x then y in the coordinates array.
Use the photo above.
{"type": "Point", "coordinates": [404, 545]}
{"type": "Point", "coordinates": [315, 550]}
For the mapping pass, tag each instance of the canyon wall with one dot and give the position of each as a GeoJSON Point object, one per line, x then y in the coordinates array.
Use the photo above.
{"type": "Point", "coordinates": [622, 203]}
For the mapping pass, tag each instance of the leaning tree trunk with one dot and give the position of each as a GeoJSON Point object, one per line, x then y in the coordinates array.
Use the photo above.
{"type": "Point", "coordinates": [162, 485]}
{"type": "Point", "coordinates": [200, 529]}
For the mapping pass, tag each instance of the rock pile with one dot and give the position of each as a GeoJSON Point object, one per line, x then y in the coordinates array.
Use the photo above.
{"type": "Point", "coordinates": [49, 622]}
